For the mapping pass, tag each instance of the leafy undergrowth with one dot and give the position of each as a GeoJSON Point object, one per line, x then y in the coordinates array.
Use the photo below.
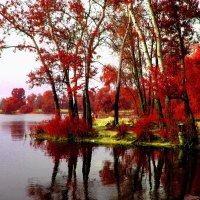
{"type": "Point", "coordinates": [110, 134]}
{"type": "Point", "coordinates": [143, 131]}
{"type": "Point", "coordinates": [65, 128]}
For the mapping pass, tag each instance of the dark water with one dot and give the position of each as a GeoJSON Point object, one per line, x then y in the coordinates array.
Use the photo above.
{"type": "Point", "coordinates": [51, 171]}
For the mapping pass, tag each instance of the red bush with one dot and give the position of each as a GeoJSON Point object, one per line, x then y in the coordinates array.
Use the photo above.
{"type": "Point", "coordinates": [48, 108]}
{"type": "Point", "coordinates": [9, 105]}
{"type": "Point", "coordinates": [122, 130]}
{"type": "Point", "coordinates": [63, 127]}
{"type": "Point", "coordinates": [142, 128]}
{"type": "Point", "coordinates": [26, 109]}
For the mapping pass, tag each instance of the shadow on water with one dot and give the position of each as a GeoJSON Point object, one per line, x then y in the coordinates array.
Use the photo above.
{"type": "Point", "coordinates": [65, 186]}
{"type": "Point", "coordinates": [18, 125]}
{"type": "Point", "coordinates": [127, 174]}
{"type": "Point", "coordinates": [17, 129]}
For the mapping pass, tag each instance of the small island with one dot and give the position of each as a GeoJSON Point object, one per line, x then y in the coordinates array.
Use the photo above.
{"type": "Point", "coordinates": [128, 133]}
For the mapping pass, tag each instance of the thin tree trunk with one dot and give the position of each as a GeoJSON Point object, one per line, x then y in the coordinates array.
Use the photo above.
{"type": "Point", "coordinates": [188, 111]}
{"type": "Point", "coordinates": [50, 78]}
{"type": "Point", "coordinates": [158, 38]}
{"type": "Point", "coordinates": [137, 82]}
{"type": "Point", "coordinates": [159, 51]}
{"type": "Point", "coordinates": [141, 36]}
{"type": "Point", "coordinates": [146, 55]}
{"type": "Point", "coordinates": [86, 105]}
{"type": "Point", "coordinates": [87, 157]}
{"type": "Point", "coordinates": [116, 104]}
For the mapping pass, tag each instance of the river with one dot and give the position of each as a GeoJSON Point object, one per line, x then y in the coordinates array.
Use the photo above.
{"type": "Point", "coordinates": [31, 169]}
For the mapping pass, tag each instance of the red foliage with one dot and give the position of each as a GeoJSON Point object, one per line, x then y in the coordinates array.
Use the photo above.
{"type": "Point", "coordinates": [63, 127]}
{"type": "Point", "coordinates": [126, 98]}
{"type": "Point", "coordinates": [122, 130]}
{"type": "Point", "coordinates": [142, 128]}
{"type": "Point", "coordinates": [39, 101]}
{"type": "Point", "coordinates": [192, 75]}
{"type": "Point", "coordinates": [107, 174]}
{"type": "Point", "coordinates": [109, 75]}
{"type": "Point", "coordinates": [31, 100]}
{"type": "Point", "coordinates": [103, 100]}
{"type": "Point", "coordinates": [48, 106]}
{"type": "Point", "coordinates": [19, 94]}
{"type": "Point", "coordinates": [26, 109]}
{"type": "Point", "coordinates": [9, 105]}
{"type": "Point", "coordinates": [76, 7]}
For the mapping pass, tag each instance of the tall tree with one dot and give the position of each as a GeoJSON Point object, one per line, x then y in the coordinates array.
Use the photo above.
{"type": "Point", "coordinates": [119, 74]}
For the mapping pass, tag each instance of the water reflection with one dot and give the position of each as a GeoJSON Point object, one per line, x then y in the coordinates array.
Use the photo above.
{"type": "Point", "coordinates": [18, 125]}
{"type": "Point", "coordinates": [65, 186]}
{"type": "Point", "coordinates": [127, 174]}
{"type": "Point", "coordinates": [47, 170]}
{"type": "Point", "coordinates": [17, 130]}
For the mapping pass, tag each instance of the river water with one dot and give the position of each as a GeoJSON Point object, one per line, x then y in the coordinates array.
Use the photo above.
{"type": "Point", "coordinates": [30, 169]}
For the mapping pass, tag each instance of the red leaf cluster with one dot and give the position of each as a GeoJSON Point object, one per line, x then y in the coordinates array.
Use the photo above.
{"type": "Point", "coordinates": [58, 127]}
{"type": "Point", "coordinates": [26, 109]}
{"type": "Point", "coordinates": [142, 128]}
{"type": "Point", "coordinates": [122, 130]}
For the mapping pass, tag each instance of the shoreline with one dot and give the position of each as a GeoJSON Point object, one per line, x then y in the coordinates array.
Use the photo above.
{"type": "Point", "coordinates": [104, 141]}
{"type": "Point", "coordinates": [106, 137]}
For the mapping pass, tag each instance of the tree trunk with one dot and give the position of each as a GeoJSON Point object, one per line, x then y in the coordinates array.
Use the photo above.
{"type": "Point", "coordinates": [87, 108]}
{"type": "Point", "coordinates": [90, 50]}
{"type": "Point", "coordinates": [116, 104]}
{"type": "Point", "coordinates": [137, 82]}
{"type": "Point", "coordinates": [70, 97]}
{"type": "Point", "coordinates": [158, 38]}
{"type": "Point", "coordinates": [159, 51]}
{"type": "Point", "coordinates": [146, 54]}
{"type": "Point", "coordinates": [141, 36]}
{"type": "Point", "coordinates": [50, 78]}
{"type": "Point", "coordinates": [56, 100]}
{"type": "Point", "coordinates": [188, 111]}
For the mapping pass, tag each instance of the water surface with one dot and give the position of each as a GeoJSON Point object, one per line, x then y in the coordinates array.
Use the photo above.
{"type": "Point", "coordinates": [30, 169]}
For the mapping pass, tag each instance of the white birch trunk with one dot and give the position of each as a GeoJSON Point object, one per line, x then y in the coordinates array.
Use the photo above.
{"type": "Point", "coordinates": [158, 38]}
{"type": "Point", "coordinates": [141, 36]}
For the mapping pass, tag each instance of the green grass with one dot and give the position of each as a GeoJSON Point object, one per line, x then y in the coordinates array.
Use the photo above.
{"type": "Point", "coordinates": [105, 137]}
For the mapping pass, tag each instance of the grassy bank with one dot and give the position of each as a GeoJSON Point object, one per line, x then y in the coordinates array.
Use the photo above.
{"type": "Point", "coordinates": [108, 137]}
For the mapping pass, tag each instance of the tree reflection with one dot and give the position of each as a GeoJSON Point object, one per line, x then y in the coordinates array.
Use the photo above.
{"type": "Point", "coordinates": [137, 173]}
{"type": "Point", "coordinates": [17, 130]}
{"type": "Point", "coordinates": [66, 186]}
{"type": "Point", "coordinates": [152, 174]}
{"type": "Point", "coordinates": [87, 156]}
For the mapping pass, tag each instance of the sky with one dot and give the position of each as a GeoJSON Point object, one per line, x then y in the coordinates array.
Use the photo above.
{"type": "Point", "coordinates": [14, 68]}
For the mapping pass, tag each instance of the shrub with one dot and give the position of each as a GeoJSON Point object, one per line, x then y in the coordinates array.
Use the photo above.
{"type": "Point", "coordinates": [26, 109]}
{"type": "Point", "coordinates": [9, 105]}
{"type": "Point", "coordinates": [142, 128]}
{"type": "Point", "coordinates": [37, 129]}
{"type": "Point", "coordinates": [122, 130]}
{"type": "Point", "coordinates": [63, 127]}
{"type": "Point", "coordinates": [48, 108]}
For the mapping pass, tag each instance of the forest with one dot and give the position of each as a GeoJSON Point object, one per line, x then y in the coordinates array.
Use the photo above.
{"type": "Point", "coordinates": [156, 44]}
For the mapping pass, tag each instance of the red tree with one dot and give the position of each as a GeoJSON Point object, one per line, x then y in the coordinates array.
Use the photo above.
{"type": "Point", "coordinates": [19, 94]}
{"type": "Point", "coordinates": [48, 106]}
{"type": "Point", "coordinates": [9, 105]}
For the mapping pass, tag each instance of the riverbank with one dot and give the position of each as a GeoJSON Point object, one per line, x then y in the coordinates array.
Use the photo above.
{"type": "Point", "coordinates": [105, 136]}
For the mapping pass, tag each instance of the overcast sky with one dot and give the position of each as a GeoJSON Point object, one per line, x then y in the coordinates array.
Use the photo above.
{"type": "Point", "coordinates": [14, 68]}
